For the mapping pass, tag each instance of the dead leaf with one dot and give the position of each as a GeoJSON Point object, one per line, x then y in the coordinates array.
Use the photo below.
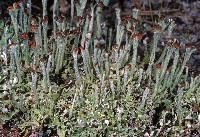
{"type": "Point", "coordinates": [195, 108]}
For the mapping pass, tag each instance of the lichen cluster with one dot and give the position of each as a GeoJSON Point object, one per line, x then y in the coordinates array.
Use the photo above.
{"type": "Point", "coordinates": [110, 90]}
